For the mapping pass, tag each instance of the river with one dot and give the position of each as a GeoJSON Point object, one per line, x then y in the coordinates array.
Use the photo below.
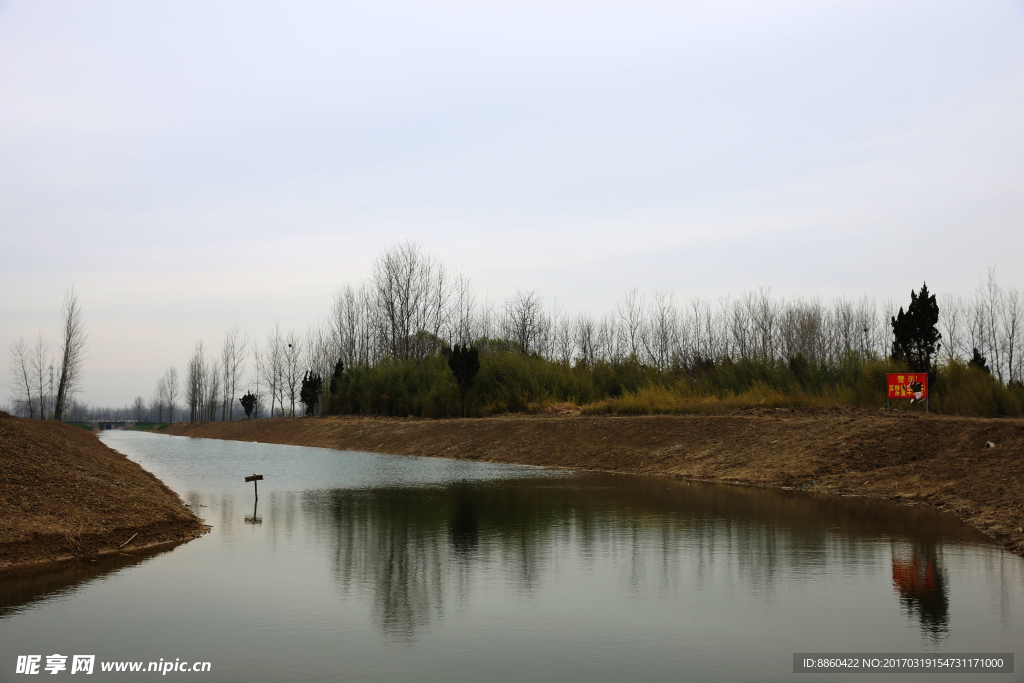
{"type": "Point", "coordinates": [368, 567]}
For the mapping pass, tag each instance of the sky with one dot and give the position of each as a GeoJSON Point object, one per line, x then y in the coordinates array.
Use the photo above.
{"type": "Point", "coordinates": [190, 166]}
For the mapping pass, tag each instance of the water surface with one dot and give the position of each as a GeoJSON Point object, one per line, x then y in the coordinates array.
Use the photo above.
{"type": "Point", "coordinates": [366, 567]}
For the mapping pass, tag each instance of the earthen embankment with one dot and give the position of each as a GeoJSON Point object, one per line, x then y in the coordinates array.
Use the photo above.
{"type": "Point", "coordinates": [66, 495]}
{"type": "Point", "coordinates": [937, 461]}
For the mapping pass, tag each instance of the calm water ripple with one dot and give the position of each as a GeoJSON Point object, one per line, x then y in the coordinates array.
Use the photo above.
{"type": "Point", "coordinates": [365, 567]}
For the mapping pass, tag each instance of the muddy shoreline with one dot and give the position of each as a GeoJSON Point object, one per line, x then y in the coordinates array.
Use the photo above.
{"type": "Point", "coordinates": [64, 495]}
{"type": "Point", "coordinates": [938, 461]}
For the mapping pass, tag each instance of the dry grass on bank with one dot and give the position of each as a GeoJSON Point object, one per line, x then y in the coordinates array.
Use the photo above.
{"type": "Point", "coordinates": [658, 400]}
{"type": "Point", "coordinates": [65, 494]}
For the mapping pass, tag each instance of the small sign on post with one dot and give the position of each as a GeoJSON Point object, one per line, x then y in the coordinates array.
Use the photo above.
{"type": "Point", "coordinates": [912, 385]}
{"type": "Point", "coordinates": [255, 487]}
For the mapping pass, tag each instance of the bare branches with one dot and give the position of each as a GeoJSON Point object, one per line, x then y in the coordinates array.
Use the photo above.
{"type": "Point", "coordinates": [272, 366]}
{"type": "Point", "coordinates": [232, 360]}
{"type": "Point", "coordinates": [350, 316]}
{"type": "Point", "coordinates": [159, 401]}
{"type": "Point", "coordinates": [631, 315]}
{"type": "Point", "coordinates": [195, 382]}
{"type": "Point", "coordinates": [171, 384]}
{"type": "Point", "coordinates": [411, 293]}
{"type": "Point", "coordinates": [292, 369]}
{"type": "Point", "coordinates": [73, 338]}
{"type": "Point", "coordinates": [41, 363]}
{"type": "Point", "coordinates": [138, 409]}
{"type": "Point", "coordinates": [413, 307]}
{"type": "Point", "coordinates": [1011, 318]}
{"type": "Point", "coordinates": [21, 384]}
{"type": "Point", "coordinates": [523, 321]}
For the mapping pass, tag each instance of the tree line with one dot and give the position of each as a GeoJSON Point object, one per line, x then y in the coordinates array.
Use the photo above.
{"type": "Point", "coordinates": [372, 351]}
{"type": "Point", "coordinates": [43, 384]}
{"type": "Point", "coordinates": [384, 345]}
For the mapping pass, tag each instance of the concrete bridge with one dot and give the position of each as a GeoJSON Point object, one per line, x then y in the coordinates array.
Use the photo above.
{"type": "Point", "coordinates": [112, 424]}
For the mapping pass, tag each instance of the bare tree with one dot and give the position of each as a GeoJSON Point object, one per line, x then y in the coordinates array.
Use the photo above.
{"type": "Point", "coordinates": [212, 391]}
{"type": "Point", "coordinates": [990, 299]}
{"type": "Point", "coordinates": [40, 361]}
{"type": "Point", "coordinates": [523, 321]}
{"type": "Point", "coordinates": [321, 354]}
{"type": "Point", "coordinates": [663, 330]}
{"type": "Point", "coordinates": [1011, 314]}
{"type": "Point", "coordinates": [585, 342]}
{"type": "Point", "coordinates": [462, 318]}
{"type": "Point", "coordinates": [739, 320]}
{"type": "Point", "coordinates": [171, 381]}
{"type": "Point", "coordinates": [951, 319]}
{"type": "Point", "coordinates": [257, 362]}
{"type": "Point", "coordinates": [160, 398]}
{"type": "Point", "coordinates": [606, 341]}
{"type": "Point", "coordinates": [273, 368]}
{"type": "Point", "coordinates": [411, 293]}
{"type": "Point", "coordinates": [293, 369]}
{"type": "Point", "coordinates": [631, 316]}
{"type": "Point", "coordinates": [138, 408]}
{"type": "Point", "coordinates": [195, 380]}
{"type": "Point", "coordinates": [844, 328]}
{"type": "Point", "coordinates": [21, 385]}
{"type": "Point", "coordinates": [564, 338]}
{"type": "Point", "coordinates": [232, 362]}
{"type": "Point", "coordinates": [350, 325]}
{"type": "Point", "coordinates": [764, 314]}
{"type": "Point", "coordinates": [73, 338]}
{"type": "Point", "coordinates": [488, 320]}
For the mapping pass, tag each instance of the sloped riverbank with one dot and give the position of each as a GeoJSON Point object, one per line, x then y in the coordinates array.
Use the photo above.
{"type": "Point", "coordinates": [64, 495]}
{"type": "Point", "coordinates": [941, 462]}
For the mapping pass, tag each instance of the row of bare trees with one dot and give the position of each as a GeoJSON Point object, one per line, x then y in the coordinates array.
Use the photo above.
{"type": "Point", "coordinates": [413, 306]}
{"type": "Point", "coordinates": [990, 321]}
{"type": "Point", "coordinates": [32, 367]}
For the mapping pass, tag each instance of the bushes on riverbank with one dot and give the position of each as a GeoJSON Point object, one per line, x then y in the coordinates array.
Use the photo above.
{"type": "Point", "coordinates": [514, 382]}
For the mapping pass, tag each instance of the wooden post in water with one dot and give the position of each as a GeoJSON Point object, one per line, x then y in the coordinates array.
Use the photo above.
{"type": "Point", "coordinates": [255, 478]}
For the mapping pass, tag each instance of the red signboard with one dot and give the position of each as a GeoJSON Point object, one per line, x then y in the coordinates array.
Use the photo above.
{"type": "Point", "coordinates": [912, 385]}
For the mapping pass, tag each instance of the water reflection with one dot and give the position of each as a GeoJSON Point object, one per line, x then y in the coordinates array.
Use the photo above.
{"type": "Point", "coordinates": [464, 529]}
{"type": "Point", "coordinates": [427, 569]}
{"type": "Point", "coordinates": [254, 518]}
{"type": "Point", "coordinates": [418, 548]}
{"type": "Point", "coordinates": [921, 585]}
{"type": "Point", "coordinates": [24, 587]}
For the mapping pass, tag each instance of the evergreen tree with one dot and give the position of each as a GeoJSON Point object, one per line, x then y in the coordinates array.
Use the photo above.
{"type": "Point", "coordinates": [464, 362]}
{"type": "Point", "coordinates": [980, 362]}
{"type": "Point", "coordinates": [248, 403]}
{"type": "Point", "coordinates": [339, 369]}
{"type": "Point", "coordinates": [312, 384]}
{"type": "Point", "coordinates": [915, 335]}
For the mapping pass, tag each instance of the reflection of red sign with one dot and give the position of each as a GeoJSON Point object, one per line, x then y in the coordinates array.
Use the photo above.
{"type": "Point", "coordinates": [914, 577]}
{"type": "Point", "coordinates": [912, 385]}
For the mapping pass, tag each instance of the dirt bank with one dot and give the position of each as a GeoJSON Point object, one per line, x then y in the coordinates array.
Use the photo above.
{"type": "Point", "coordinates": [937, 461]}
{"type": "Point", "coordinates": [64, 494]}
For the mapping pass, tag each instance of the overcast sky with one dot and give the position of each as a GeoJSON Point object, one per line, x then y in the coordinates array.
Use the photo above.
{"type": "Point", "coordinates": [193, 165]}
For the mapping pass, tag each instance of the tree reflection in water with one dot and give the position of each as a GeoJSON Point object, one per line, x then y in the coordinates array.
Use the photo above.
{"type": "Point", "coordinates": [920, 584]}
{"type": "Point", "coordinates": [464, 530]}
{"type": "Point", "coordinates": [418, 549]}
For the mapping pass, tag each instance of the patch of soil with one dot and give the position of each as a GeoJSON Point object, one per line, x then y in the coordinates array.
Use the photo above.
{"type": "Point", "coordinates": [937, 461]}
{"type": "Point", "coordinates": [64, 494]}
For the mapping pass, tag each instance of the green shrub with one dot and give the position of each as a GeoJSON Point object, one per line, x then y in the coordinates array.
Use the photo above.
{"type": "Point", "coordinates": [511, 382]}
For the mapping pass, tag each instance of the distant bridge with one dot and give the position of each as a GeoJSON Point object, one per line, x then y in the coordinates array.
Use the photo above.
{"type": "Point", "coordinates": [112, 424]}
